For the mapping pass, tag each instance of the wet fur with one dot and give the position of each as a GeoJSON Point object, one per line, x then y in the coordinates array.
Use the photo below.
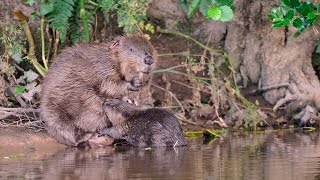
{"type": "Point", "coordinates": [82, 76]}
{"type": "Point", "coordinates": [152, 127]}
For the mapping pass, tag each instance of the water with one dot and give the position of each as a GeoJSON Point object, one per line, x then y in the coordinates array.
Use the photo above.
{"type": "Point", "coordinates": [275, 155]}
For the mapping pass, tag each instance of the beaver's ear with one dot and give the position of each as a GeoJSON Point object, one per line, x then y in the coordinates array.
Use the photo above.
{"type": "Point", "coordinates": [114, 44]}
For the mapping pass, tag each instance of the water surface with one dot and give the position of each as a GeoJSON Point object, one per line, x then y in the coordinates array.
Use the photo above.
{"type": "Point", "coordinates": [275, 155]}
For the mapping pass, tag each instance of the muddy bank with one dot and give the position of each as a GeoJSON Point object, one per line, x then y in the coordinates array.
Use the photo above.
{"type": "Point", "coordinates": [20, 142]}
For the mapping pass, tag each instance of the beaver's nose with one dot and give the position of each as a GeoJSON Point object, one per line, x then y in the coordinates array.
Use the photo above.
{"type": "Point", "coordinates": [148, 60]}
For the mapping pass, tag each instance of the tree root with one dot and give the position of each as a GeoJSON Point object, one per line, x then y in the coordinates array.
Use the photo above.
{"type": "Point", "coordinates": [306, 104]}
{"type": "Point", "coordinates": [267, 88]}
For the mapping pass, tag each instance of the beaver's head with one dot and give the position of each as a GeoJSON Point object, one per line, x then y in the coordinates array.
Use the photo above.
{"type": "Point", "coordinates": [135, 54]}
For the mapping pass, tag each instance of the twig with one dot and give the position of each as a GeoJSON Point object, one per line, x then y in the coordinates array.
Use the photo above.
{"type": "Point", "coordinates": [185, 53]}
{"type": "Point", "coordinates": [191, 87]}
{"type": "Point", "coordinates": [167, 69]}
{"type": "Point", "coordinates": [19, 110]}
{"type": "Point", "coordinates": [180, 73]}
{"type": "Point", "coordinates": [168, 31]}
{"type": "Point", "coordinates": [171, 94]}
{"type": "Point", "coordinates": [267, 88]}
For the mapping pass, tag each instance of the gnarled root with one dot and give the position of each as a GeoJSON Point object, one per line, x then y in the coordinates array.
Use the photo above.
{"type": "Point", "coordinates": [306, 104]}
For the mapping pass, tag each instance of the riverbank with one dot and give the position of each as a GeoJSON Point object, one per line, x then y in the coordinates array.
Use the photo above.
{"type": "Point", "coordinates": [18, 142]}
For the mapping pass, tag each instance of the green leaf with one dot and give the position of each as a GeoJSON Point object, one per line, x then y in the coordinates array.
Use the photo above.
{"type": "Point", "coordinates": [312, 15]}
{"type": "Point", "coordinates": [271, 17]}
{"type": "Point", "coordinates": [226, 13]}
{"type": "Point", "coordinates": [305, 8]}
{"type": "Point", "coordinates": [291, 3]}
{"type": "Point", "coordinates": [223, 3]}
{"type": "Point", "coordinates": [290, 14]}
{"type": "Point", "coordinates": [277, 24]}
{"type": "Point", "coordinates": [29, 2]}
{"type": "Point", "coordinates": [193, 7]}
{"type": "Point", "coordinates": [318, 8]}
{"type": "Point", "coordinates": [297, 23]}
{"type": "Point", "coordinates": [286, 22]}
{"type": "Point", "coordinates": [19, 89]}
{"type": "Point", "coordinates": [45, 7]}
{"type": "Point", "coordinates": [34, 15]}
{"type": "Point", "coordinates": [214, 13]}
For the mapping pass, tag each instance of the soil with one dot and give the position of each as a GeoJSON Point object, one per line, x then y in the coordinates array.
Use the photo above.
{"type": "Point", "coordinates": [20, 142]}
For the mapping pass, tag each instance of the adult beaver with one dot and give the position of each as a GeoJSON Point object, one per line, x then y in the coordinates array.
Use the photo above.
{"type": "Point", "coordinates": [83, 76]}
{"type": "Point", "coordinates": [152, 127]}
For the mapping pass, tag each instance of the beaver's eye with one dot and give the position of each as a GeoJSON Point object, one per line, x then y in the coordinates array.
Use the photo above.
{"type": "Point", "coordinates": [132, 50]}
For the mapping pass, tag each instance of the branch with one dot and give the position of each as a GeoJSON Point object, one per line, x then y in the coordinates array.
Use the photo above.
{"type": "Point", "coordinates": [168, 31]}
{"type": "Point", "coordinates": [171, 94]}
{"type": "Point", "coordinates": [267, 88]}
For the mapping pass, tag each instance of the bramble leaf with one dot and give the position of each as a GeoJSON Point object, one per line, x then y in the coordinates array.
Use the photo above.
{"type": "Point", "coordinates": [226, 13]}
{"type": "Point", "coordinates": [19, 89]}
{"type": "Point", "coordinates": [214, 13]}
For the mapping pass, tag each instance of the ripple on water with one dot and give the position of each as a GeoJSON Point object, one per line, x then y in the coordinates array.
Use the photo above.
{"type": "Point", "coordinates": [277, 155]}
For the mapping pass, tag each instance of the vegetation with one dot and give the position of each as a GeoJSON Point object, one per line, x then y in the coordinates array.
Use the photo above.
{"type": "Point", "coordinates": [220, 10]}
{"type": "Point", "coordinates": [61, 22]}
{"type": "Point", "coordinates": [65, 22]}
{"type": "Point", "coordinates": [300, 15]}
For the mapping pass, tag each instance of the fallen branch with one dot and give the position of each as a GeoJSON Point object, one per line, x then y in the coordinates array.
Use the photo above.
{"type": "Point", "coordinates": [267, 88]}
{"type": "Point", "coordinates": [7, 112]}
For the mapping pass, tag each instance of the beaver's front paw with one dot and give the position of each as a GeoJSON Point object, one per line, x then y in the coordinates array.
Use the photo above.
{"type": "Point", "coordinates": [131, 87]}
{"type": "Point", "coordinates": [137, 82]}
{"type": "Point", "coordinates": [103, 132]}
{"type": "Point", "coordinates": [111, 102]}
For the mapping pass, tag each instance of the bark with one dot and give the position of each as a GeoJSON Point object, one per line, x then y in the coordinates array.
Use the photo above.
{"type": "Point", "coordinates": [279, 65]}
{"type": "Point", "coordinates": [271, 57]}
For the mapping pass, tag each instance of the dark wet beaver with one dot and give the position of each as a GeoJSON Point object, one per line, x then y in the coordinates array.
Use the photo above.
{"type": "Point", "coordinates": [83, 75]}
{"type": "Point", "coordinates": [152, 127]}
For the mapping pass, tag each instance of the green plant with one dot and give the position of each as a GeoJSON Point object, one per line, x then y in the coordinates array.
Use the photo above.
{"type": "Point", "coordinates": [71, 18]}
{"type": "Point", "coordinates": [219, 10]}
{"type": "Point", "coordinates": [57, 13]}
{"type": "Point", "coordinates": [129, 13]}
{"type": "Point", "coordinates": [293, 12]}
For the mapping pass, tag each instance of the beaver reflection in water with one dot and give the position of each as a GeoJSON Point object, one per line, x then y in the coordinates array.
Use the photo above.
{"type": "Point", "coordinates": [152, 127]}
{"type": "Point", "coordinates": [83, 76]}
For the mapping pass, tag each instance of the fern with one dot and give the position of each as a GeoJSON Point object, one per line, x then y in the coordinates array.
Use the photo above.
{"type": "Point", "coordinates": [57, 13]}
{"type": "Point", "coordinates": [74, 31]}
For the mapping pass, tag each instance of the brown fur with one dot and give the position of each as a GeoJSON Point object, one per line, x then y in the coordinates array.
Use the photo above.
{"type": "Point", "coordinates": [151, 127]}
{"type": "Point", "coordinates": [83, 75]}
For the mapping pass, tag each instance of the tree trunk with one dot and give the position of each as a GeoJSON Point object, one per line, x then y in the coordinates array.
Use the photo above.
{"type": "Point", "coordinates": [272, 58]}
{"type": "Point", "coordinates": [278, 64]}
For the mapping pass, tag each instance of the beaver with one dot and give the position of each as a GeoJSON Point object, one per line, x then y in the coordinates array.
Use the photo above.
{"type": "Point", "coordinates": [151, 127]}
{"type": "Point", "coordinates": [83, 75]}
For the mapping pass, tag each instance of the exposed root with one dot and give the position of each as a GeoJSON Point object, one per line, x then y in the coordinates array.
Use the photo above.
{"type": "Point", "coordinates": [267, 88]}
{"type": "Point", "coordinates": [307, 115]}
{"type": "Point", "coordinates": [306, 104]}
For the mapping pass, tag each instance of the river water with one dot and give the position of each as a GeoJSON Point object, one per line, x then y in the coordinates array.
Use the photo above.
{"type": "Point", "coordinates": [270, 155]}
